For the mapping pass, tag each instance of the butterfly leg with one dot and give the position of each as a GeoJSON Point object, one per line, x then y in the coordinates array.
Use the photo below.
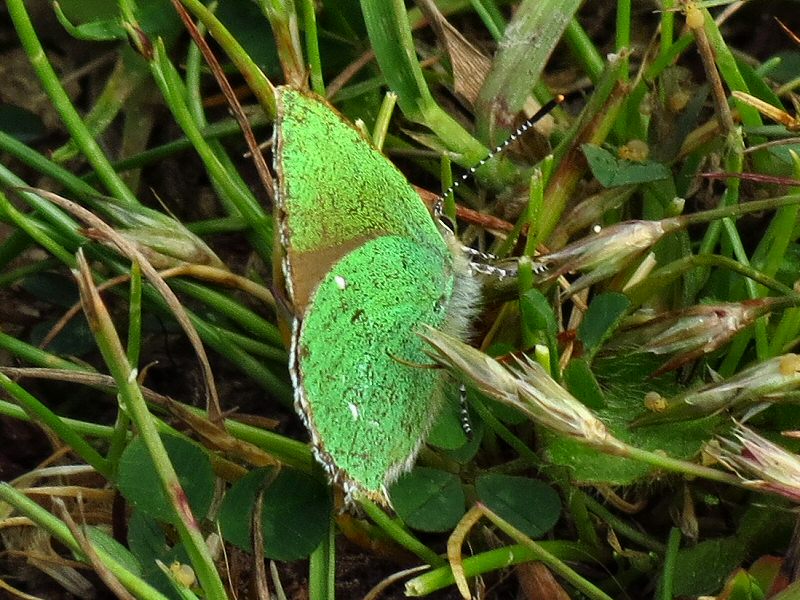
{"type": "Point", "coordinates": [493, 270]}
{"type": "Point", "coordinates": [491, 265]}
{"type": "Point", "coordinates": [479, 255]}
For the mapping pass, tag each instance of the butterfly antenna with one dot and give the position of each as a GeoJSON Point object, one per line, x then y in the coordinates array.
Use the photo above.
{"type": "Point", "coordinates": [438, 207]}
{"type": "Point", "coordinates": [466, 421]}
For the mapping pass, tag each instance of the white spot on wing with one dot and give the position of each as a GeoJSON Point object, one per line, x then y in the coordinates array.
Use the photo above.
{"type": "Point", "coordinates": [354, 411]}
{"type": "Point", "coordinates": [341, 282]}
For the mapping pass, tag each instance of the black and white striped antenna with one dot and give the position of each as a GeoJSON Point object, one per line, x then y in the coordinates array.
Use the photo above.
{"type": "Point", "coordinates": [438, 207]}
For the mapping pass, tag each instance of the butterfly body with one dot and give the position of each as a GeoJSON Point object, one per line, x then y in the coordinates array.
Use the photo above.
{"type": "Point", "coordinates": [365, 267]}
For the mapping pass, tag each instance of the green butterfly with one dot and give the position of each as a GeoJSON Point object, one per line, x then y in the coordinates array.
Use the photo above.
{"type": "Point", "coordinates": [365, 267]}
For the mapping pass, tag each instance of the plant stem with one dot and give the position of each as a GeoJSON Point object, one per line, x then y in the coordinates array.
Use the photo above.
{"type": "Point", "coordinates": [61, 102]}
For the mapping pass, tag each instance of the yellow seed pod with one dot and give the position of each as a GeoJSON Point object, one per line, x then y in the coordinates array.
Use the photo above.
{"type": "Point", "coordinates": [183, 574]}
{"type": "Point", "coordinates": [655, 402]}
{"type": "Point", "coordinates": [695, 19]}
{"type": "Point", "coordinates": [678, 100]}
{"type": "Point", "coordinates": [634, 150]}
{"type": "Point", "coordinates": [790, 365]}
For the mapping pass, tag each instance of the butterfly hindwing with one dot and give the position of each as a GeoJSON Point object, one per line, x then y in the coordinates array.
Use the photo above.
{"type": "Point", "coordinates": [370, 399]}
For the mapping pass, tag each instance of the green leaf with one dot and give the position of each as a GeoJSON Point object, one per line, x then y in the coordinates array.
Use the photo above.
{"type": "Point", "coordinates": [783, 152]}
{"type": "Point", "coordinates": [148, 543]}
{"type": "Point", "coordinates": [244, 20]}
{"type": "Point", "coordinates": [52, 288]}
{"type": "Point", "coordinates": [73, 339]}
{"type": "Point", "coordinates": [788, 67]}
{"type": "Point", "coordinates": [467, 451]}
{"type": "Point", "coordinates": [447, 431]}
{"type": "Point", "coordinates": [703, 568]}
{"type": "Point", "coordinates": [742, 587]}
{"type": "Point", "coordinates": [141, 486]}
{"type": "Point", "coordinates": [99, 20]}
{"type": "Point", "coordinates": [94, 31]}
{"type": "Point", "coordinates": [611, 171]}
{"type": "Point", "coordinates": [621, 378]}
{"type": "Point", "coordinates": [756, 85]}
{"type": "Point", "coordinates": [23, 125]}
{"type": "Point", "coordinates": [505, 413]}
{"type": "Point", "coordinates": [236, 511]}
{"type": "Point", "coordinates": [428, 499]}
{"type": "Point", "coordinates": [582, 384]}
{"type": "Point", "coordinates": [295, 515]}
{"type": "Point", "coordinates": [84, 11]}
{"type": "Point", "coordinates": [764, 571]}
{"type": "Point", "coordinates": [530, 505]}
{"type": "Point", "coordinates": [146, 539]}
{"type": "Point", "coordinates": [117, 551]}
{"type": "Point", "coordinates": [537, 314]}
{"type": "Point", "coordinates": [604, 314]}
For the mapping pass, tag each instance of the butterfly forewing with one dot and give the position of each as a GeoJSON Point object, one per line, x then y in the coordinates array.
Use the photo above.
{"type": "Point", "coordinates": [335, 192]}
